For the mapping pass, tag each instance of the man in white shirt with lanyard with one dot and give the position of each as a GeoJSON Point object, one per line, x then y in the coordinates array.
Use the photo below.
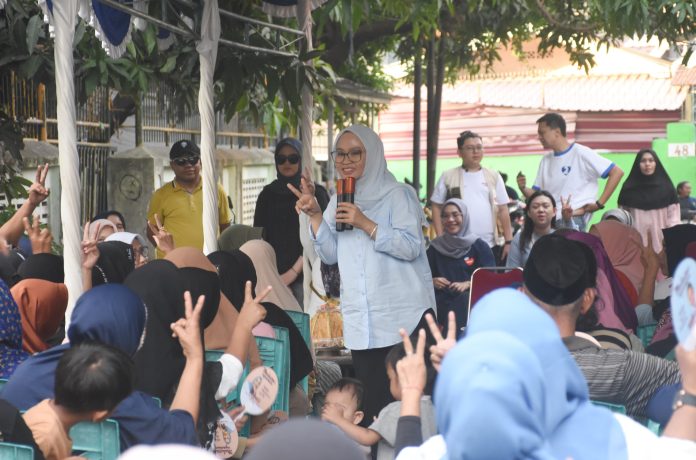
{"type": "Point", "coordinates": [571, 171]}
{"type": "Point", "coordinates": [483, 192]}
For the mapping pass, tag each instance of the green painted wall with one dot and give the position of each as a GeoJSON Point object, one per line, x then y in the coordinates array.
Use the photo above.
{"type": "Point", "coordinates": [679, 169]}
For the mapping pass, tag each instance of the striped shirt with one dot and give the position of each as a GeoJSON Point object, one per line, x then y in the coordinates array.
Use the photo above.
{"type": "Point", "coordinates": [621, 376]}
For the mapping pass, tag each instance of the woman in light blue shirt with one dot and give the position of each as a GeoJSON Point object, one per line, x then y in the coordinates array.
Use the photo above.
{"type": "Point", "coordinates": [386, 282]}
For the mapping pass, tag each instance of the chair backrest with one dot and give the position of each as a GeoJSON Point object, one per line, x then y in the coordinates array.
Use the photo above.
{"type": "Point", "coordinates": [96, 441]}
{"type": "Point", "coordinates": [302, 321]}
{"type": "Point", "coordinates": [691, 250]}
{"type": "Point", "coordinates": [617, 408]}
{"type": "Point", "coordinates": [9, 451]}
{"type": "Point", "coordinates": [645, 334]}
{"type": "Point", "coordinates": [487, 279]}
{"type": "Point", "coordinates": [275, 353]}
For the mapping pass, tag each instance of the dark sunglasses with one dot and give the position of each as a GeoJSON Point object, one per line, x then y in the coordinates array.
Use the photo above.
{"type": "Point", "coordinates": [186, 161]}
{"type": "Point", "coordinates": [293, 159]}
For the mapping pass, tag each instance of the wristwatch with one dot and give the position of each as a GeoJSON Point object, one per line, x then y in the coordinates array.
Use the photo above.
{"type": "Point", "coordinates": [599, 205]}
{"type": "Point", "coordinates": [683, 398]}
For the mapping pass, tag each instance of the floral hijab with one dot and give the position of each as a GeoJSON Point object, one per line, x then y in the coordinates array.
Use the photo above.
{"type": "Point", "coordinates": [11, 352]}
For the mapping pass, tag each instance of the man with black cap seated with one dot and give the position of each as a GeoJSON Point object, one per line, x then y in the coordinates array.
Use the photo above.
{"type": "Point", "coordinates": [179, 204]}
{"type": "Point", "coordinates": [560, 277]}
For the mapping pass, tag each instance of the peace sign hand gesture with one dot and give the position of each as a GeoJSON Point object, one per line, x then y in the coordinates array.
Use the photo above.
{"type": "Point", "coordinates": [188, 330]}
{"type": "Point", "coordinates": [306, 202]}
{"type": "Point", "coordinates": [164, 239]}
{"type": "Point", "coordinates": [38, 191]}
{"type": "Point", "coordinates": [252, 312]}
{"type": "Point", "coordinates": [41, 239]}
{"type": "Point", "coordinates": [411, 368]}
{"type": "Point", "coordinates": [566, 209]}
{"type": "Point", "coordinates": [90, 251]}
{"type": "Point", "coordinates": [442, 345]}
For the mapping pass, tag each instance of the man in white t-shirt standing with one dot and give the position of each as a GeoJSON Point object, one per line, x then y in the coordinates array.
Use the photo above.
{"type": "Point", "coordinates": [483, 192]}
{"type": "Point", "coordinates": [571, 171]}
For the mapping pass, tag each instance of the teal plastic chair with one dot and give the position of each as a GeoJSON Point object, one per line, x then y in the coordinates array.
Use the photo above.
{"type": "Point", "coordinates": [617, 408]}
{"type": "Point", "coordinates": [645, 333]}
{"type": "Point", "coordinates": [301, 320]}
{"type": "Point", "coordinates": [275, 353]}
{"type": "Point", "coordinates": [96, 441]}
{"type": "Point", "coordinates": [9, 451]}
{"type": "Point", "coordinates": [3, 382]}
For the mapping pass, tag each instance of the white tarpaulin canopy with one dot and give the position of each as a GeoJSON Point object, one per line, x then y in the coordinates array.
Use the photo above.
{"type": "Point", "coordinates": [113, 22]}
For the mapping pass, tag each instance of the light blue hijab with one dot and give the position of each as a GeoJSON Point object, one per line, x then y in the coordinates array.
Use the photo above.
{"type": "Point", "coordinates": [376, 181]}
{"type": "Point", "coordinates": [570, 424]}
{"type": "Point", "coordinates": [495, 381]}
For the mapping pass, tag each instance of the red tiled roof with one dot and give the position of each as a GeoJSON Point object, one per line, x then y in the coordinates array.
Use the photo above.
{"type": "Point", "coordinates": [513, 131]}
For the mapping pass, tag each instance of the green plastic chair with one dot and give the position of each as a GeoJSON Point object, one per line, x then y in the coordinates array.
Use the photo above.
{"type": "Point", "coordinates": [617, 408]}
{"type": "Point", "coordinates": [9, 451]}
{"type": "Point", "coordinates": [645, 333]}
{"type": "Point", "coordinates": [275, 354]}
{"type": "Point", "coordinates": [96, 441]}
{"type": "Point", "coordinates": [301, 320]}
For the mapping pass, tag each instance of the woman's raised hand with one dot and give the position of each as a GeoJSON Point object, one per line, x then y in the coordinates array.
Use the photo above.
{"type": "Point", "coordinates": [442, 345]}
{"type": "Point", "coordinates": [306, 202]}
{"type": "Point", "coordinates": [566, 209]}
{"type": "Point", "coordinates": [89, 249]}
{"type": "Point", "coordinates": [187, 329]}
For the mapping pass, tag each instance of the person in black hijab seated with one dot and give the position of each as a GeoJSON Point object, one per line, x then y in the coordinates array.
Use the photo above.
{"type": "Point", "coordinates": [275, 212]}
{"type": "Point", "coordinates": [234, 269]}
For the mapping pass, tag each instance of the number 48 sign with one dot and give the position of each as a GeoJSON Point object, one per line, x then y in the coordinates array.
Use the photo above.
{"type": "Point", "coordinates": [681, 150]}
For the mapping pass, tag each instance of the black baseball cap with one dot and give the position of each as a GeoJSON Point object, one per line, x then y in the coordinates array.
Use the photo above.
{"type": "Point", "coordinates": [184, 149]}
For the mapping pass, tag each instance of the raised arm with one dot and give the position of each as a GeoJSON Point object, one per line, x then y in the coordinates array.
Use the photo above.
{"type": "Point", "coordinates": [12, 229]}
{"type": "Point", "coordinates": [251, 314]}
{"type": "Point", "coordinates": [187, 330]}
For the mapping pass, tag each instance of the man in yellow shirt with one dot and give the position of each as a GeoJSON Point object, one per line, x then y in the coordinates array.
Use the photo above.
{"type": "Point", "coordinates": [179, 203]}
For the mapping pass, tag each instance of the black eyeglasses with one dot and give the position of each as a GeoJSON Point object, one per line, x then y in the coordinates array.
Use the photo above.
{"type": "Point", "coordinates": [293, 159]}
{"type": "Point", "coordinates": [186, 161]}
{"type": "Point", "coordinates": [352, 156]}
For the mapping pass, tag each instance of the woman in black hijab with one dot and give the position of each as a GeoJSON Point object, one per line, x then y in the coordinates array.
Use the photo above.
{"type": "Point", "coordinates": [235, 269]}
{"type": "Point", "coordinates": [116, 261]}
{"type": "Point", "coordinates": [650, 197]}
{"type": "Point", "coordinates": [160, 361]}
{"type": "Point", "coordinates": [275, 212]}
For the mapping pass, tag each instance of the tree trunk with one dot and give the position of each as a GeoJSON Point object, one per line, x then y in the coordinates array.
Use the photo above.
{"type": "Point", "coordinates": [417, 83]}
{"type": "Point", "coordinates": [431, 134]}
{"type": "Point", "coordinates": [138, 120]}
{"type": "Point", "coordinates": [435, 81]}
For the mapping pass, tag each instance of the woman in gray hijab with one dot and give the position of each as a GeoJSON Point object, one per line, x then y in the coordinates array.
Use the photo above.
{"type": "Point", "coordinates": [386, 282]}
{"type": "Point", "coordinates": [453, 257]}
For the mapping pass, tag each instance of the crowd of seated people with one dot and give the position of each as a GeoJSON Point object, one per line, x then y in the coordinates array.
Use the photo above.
{"type": "Point", "coordinates": [531, 374]}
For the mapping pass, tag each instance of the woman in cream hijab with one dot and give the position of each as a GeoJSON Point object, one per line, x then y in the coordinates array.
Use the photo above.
{"type": "Point", "coordinates": [264, 258]}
